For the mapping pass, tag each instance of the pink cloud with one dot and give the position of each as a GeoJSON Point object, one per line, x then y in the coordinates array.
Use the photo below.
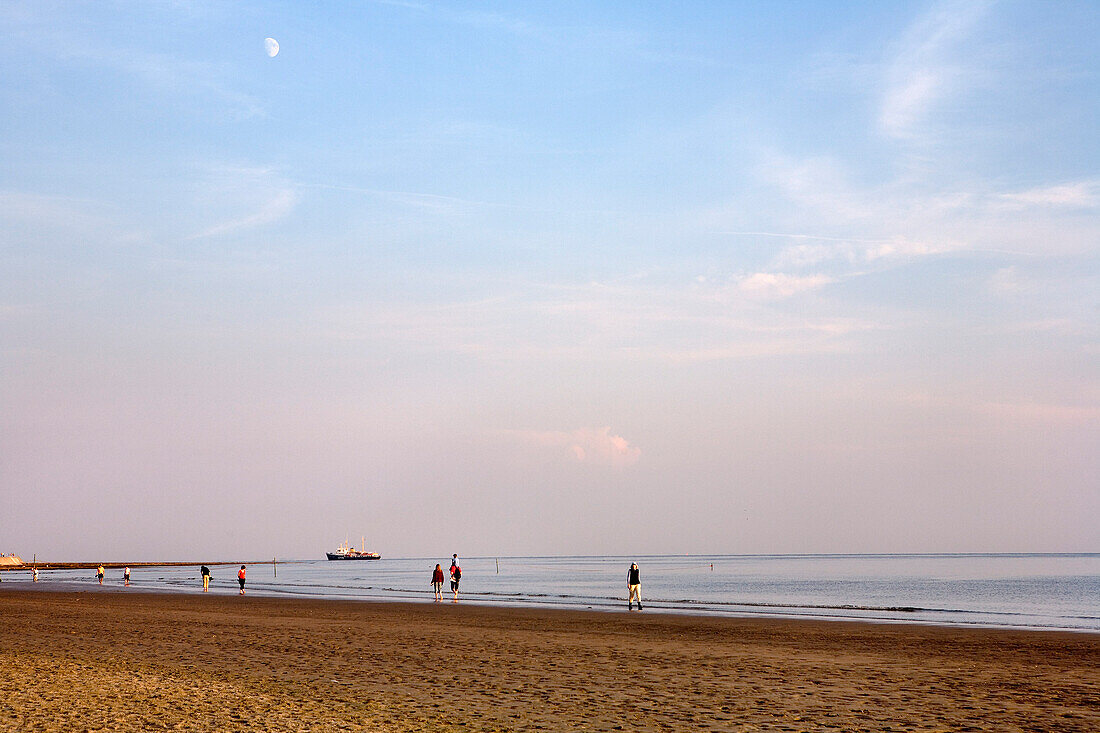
{"type": "Point", "coordinates": [596, 446]}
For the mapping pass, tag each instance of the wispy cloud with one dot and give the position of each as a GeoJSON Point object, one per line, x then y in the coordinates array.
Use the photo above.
{"type": "Point", "coordinates": [172, 76]}
{"type": "Point", "coordinates": [860, 227]}
{"type": "Point", "coordinates": [276, 207]}
{"type": "Point", "coordinates": [1075, 194]}
{"type": "Point", "coordinates": [30, 218]}
{"type": "Point", "coordinates": [775, 285]}
{"type": "Point", "coordinates": [925, 66]}
{"type": "Point", "coordinates": [251, 197]}
{"type": "Point", "coordinates": [819, 184]}
{"type": "Point", "coordinates": [41, 209]}
{"type": "Point", "coordinates": [437, 203]}
{"type": "Point", "coordinates": [467, 17]}
{"type": "Point", "coordinates": [1006, 280]}
{"type": "Point", "coordinates": [691, 320]}
{"type": "Point", "coordinates": [1043, 412]}
{"type": "Point", "coordinates": [590, 445]}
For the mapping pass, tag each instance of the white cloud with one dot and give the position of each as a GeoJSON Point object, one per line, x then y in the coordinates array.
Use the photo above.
{"type": "Point", "coordinates": [904, 247]}
{"type": "Point", "coordinates": [924, 68]}
{"type": "Point", "coordinates": [907, 98]}
{"type": "Point", "coordinates": [841, 227]}
{"type": "Point", "coordinates": [809, 255]}
{"type": "Point", "coordinates": [595, 446]}
{"type": "Point", "coordinates": [1078, 194]}
{"type": "Point", "coordinates": [819, 183]}
{"type": "Point", "coordinates": [856, 251]}
{"type": "Point", "coordinates": [776, 285]}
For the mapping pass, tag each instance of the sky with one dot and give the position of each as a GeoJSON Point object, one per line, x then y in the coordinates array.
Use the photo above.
{"type": "Point", "coordinates": [548, 278]}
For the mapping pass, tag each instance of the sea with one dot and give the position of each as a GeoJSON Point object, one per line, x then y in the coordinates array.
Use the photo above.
{"type": "Point", "coordinates": [1024, 591]}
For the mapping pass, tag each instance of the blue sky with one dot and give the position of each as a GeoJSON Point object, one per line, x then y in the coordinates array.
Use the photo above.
{"type": "Point", "coordinates": [549, 278]}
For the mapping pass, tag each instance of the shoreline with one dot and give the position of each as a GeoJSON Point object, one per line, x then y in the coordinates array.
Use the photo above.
{"type": "Point", "coordinates": [473, 599]}
{"type": "Point", "coordinates": [134, 661]}
{"type": "Point", "coordinates": [141, 595]}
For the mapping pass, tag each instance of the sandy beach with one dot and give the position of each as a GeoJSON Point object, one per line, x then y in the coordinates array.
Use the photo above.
{"type": "Point", "coordinates": [135, 661]}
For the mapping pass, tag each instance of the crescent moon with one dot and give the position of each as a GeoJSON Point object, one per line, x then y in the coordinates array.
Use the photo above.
{"type": "Point", "coordinates": [272, 47]}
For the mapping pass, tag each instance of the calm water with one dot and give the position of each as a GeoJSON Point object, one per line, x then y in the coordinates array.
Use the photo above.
{"type": "Point", "coordinates": [1028, 591]}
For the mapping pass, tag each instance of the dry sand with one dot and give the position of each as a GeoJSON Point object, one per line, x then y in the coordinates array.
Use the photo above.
{"type": "Point", "coordinates": [133, 662]}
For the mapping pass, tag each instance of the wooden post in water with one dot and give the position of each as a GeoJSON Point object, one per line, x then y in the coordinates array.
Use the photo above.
{"type": "Point", "coordinates": [498, 566]}
{"type": "Point", "coordinates": [274, 569]}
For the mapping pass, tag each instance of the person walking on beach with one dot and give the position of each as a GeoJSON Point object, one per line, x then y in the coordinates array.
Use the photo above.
{"type": "Point", "coordinates": [437, 581]}
{"type": "Point", "coordinates": [126, 574]}
{"type": "Point", "coordinates": [456, 575]}
{"type": "Point", "coordinates": [34, 574]}
{"type": "Point", "coordinates": [240, 578]}
{"type": "Point", "coordinates": [634, 586]}
{"type": "Point", "coordinates": [205, 578]}
{"type": "Point", "coordinates": [99, 573]}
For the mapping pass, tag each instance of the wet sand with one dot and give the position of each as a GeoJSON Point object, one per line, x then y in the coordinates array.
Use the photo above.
{"type": "Point", "coordinates": [134, 661]}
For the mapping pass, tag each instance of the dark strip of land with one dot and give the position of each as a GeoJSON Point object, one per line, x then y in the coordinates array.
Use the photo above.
{"type": "Point", "coordinates": [118, 565]}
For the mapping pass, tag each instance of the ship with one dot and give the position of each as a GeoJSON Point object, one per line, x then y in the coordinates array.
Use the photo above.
{"type": "Point", "coordinates": [343, 552]}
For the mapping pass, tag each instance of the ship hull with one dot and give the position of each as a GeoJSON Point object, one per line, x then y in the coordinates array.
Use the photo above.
{"type": "Point", "coordinates": [335, 556]}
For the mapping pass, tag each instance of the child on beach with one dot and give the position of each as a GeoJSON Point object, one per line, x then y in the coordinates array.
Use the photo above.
{"type": "Point", "coordinates": [437, 581]}
{"type": "Point", "coordinates": [99, 572]}
{"type": "Point", "coordinates": [240, 578]}
{"type": "Point", "coordinates": [205, 571]}
{"type": "Point", "coordinates": [126, 574]}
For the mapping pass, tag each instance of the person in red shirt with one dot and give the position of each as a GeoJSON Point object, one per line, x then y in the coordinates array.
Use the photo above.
{"type": "Point", "coordinates": [240, 578]}
{"type": "Point", "coordinates": [437, 582]}
{"type": "Point", "coordinates": [456, 575]}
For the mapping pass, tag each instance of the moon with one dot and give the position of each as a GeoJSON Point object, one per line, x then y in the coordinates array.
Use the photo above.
{"type": "Point", "coordinates": [272, 47]}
